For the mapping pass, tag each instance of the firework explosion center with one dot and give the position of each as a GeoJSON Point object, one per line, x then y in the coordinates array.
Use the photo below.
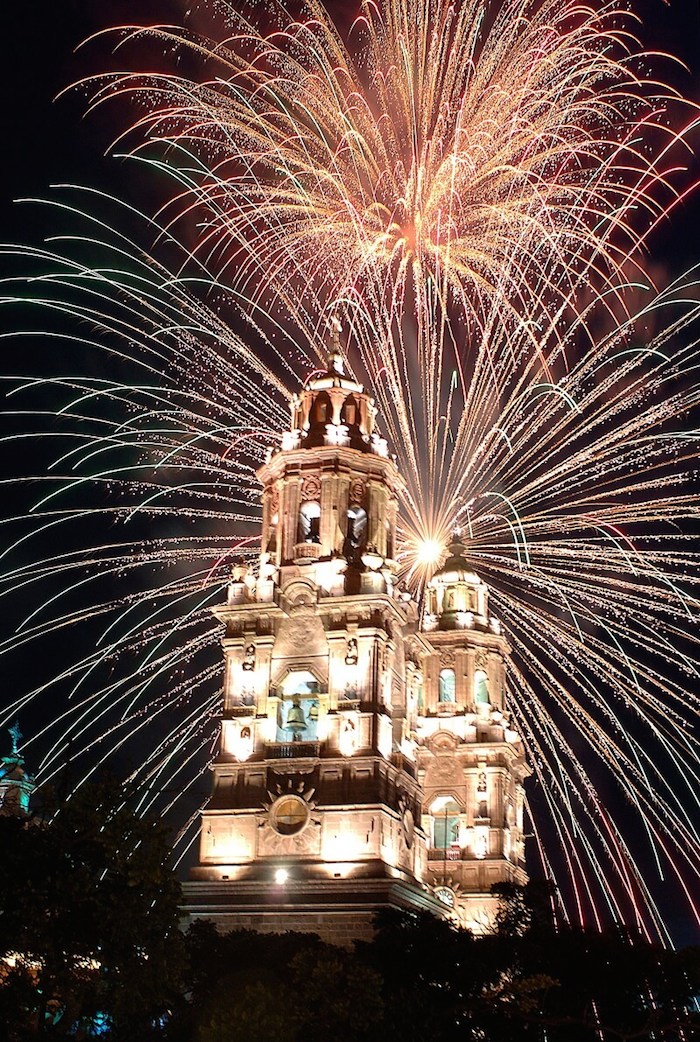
{"type": "Point", "coordinates": [367, 758]}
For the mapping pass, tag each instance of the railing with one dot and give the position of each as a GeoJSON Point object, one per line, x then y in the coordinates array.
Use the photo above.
{"type": "Point", "coordinates": [292, 750]}
{"type": "Point", "coordinates": [445, 854]}
{"type": "Point", "coordinates": [307, 551]}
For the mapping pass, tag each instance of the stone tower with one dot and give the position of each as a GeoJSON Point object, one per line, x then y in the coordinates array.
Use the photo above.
{"type": "Point", "coordinates": [470, 760]}
{"type": "Point", "coordinates": [366, 758]}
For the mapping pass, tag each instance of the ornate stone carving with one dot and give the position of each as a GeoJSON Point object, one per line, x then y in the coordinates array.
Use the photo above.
{"type": "Point", "coordinates": [311, 489]}
{"type": "Point", "coordinates": [481, 660]}
{"type": "Point", "coordinates": [357, 492]}
{"type": "Point", "coordinates": [290, 825]}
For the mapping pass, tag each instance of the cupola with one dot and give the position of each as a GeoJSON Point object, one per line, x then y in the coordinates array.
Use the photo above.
{"type": "Point", "coordinates": [456, 598]}
{"type": "Point", "coordinates": [333, 409]}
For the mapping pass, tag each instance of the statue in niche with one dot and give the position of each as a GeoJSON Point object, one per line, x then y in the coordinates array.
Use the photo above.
{"type": "Point", "coordinates": [249, 659]}
{"type": "Point", "coordinates": [351, 652]}
{"type": "Point", "coordinates": [481, 784]}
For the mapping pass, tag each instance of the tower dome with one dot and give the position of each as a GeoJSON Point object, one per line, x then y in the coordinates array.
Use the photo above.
{"type": "Point", "coordinates": [455, 596]}
{"type": "Point", "coordinates": [333, 409]}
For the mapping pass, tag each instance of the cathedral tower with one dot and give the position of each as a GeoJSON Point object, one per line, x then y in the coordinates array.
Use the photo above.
{"type": "Point", "coordinates": [366, 757]}
{"type": "Point", "coordinates": [471, 764]}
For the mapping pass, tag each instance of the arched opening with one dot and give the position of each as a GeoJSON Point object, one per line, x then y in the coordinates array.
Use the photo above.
{"type": "Point", "coordinates": [356, 535]}
{"type": "Point", "coordinates": [298, 710]}
{"type": "Point", "coordinates": [447, 686]}
{"type": "Point", "coordinates": [481, 688]}
{"type": "Point", "coordinates": [350, 412]}
{"type": "Point", "coordinates": [445, 817]}
{"type": "Point", "coordinates": [320, 410]}
{"type": "Point", "coordinates": [309, 529]}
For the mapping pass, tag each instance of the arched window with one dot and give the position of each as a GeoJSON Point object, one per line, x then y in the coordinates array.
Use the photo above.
{"type": "Point", "coordinates": [298, 709]}
{"type": "Point", "coordinates": [445, 814]}
{"type": "Point", "coordinates": [356, 536]}
{"type": "Point", "coordinates": [481, 688]}
{"type": "Point", "coordinates": [349, 412]}
{"type": "Point", "coordinates": [321, 409]}
{"type": "Point", "coordinates": [309, 523]}
{"type": "Point", "coordinates": [447, 686]}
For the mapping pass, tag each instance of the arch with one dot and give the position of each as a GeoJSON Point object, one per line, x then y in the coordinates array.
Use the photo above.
{"type": "Point", "coordinates": [321, 409]}
{"type": "Point", "coordinates": [350, 412]}
{"type": "Point", "coordinates": [356, 533]}
{"type": "Point", "coordinates": [447, 686]}
{"type": "Point", "coordinates": [298, 707]}
{"type": "Point", "coordinates": [481, 688]}
{"type": "Point", "coordinates": [444, 812]}
{"type": "Point", "coordinates": [389, 540]}
{"type": "Point", "coordinates": [272, 534]}
{"type": "Point", "coordinates": [309, 528]}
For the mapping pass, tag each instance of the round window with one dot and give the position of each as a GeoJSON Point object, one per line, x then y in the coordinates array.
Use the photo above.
{"type": "Point", "coordinates": [289, 815]}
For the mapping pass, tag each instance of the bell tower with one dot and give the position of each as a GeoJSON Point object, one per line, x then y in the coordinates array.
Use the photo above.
{"type": "Point", "coordinates": [315, 819]}
{"type": "Point", "coordinates": [367, 757]}
{"type": "Point", "coordinates": [471, 763]}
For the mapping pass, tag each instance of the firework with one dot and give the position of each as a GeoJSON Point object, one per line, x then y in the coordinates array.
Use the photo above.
{"type": "Point", "coordinates": [467, 190]}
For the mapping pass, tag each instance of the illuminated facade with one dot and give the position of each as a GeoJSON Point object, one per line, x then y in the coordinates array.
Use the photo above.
{"type": "Point", "coordinates": [366, 755]}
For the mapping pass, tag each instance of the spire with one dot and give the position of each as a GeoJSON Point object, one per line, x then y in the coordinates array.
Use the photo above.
{"type": "Point", "coordinates": [336, 366]}
{"type": "Point", "coordinates": [16, 783]}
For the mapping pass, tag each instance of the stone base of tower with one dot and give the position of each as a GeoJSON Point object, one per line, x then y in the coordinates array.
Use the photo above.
{"type": "Point", "coordinates": [339, 911]}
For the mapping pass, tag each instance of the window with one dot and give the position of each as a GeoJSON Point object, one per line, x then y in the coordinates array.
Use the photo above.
{"type": "Point", "coordinates": [348, 414]}
{"type": "Point", "coordinates": [309, 523]}
{"type": "Point", "coordinates": [481, 688]}
{"type": "Point", "coordinates": [445, 815]}
{"type": "Point", "coordinates": [447, 686]}
{"type": "Point", "coordinates": [356, 534]}
{"type": "Point", "coordinates": [298, 710]}
{"type": "Point", "coordinates": [289, 815]}
{"type": "Point", "coordinates": [321, 409]}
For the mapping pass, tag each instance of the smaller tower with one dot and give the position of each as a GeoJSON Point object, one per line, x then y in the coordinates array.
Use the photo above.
{"type": "Point", "coordinates": [16, 783]}
{"type": "Point", "coordinates": [471, 763]}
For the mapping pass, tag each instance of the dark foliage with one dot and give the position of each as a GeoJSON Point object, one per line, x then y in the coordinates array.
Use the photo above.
{"type": "Point", "coordinates": [422, 979]}
{"type": "Point", "coordinates": [88, 921]}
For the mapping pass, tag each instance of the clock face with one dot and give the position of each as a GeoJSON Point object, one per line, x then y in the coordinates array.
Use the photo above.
{"type": "Point", "coordinates": [289, 815]}
{"type": "Point", "coordinates": [446, 895]}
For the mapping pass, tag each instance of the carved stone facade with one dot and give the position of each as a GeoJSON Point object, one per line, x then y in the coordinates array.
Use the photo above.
{"type": "Point", "coordinates": [367, 756]}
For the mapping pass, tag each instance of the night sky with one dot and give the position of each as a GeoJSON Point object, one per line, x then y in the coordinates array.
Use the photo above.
{"type": "Point", "coordinates": [47, 142]}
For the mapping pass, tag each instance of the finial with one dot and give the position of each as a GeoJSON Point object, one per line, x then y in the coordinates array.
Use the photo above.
{"type": "Point", "coordinates": [335, 357]}
{"type": "Point", "coordinates": [16, 736]}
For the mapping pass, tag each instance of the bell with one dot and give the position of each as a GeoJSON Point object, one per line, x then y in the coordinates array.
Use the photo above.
{"type": "Point", "coordinates": [296, 721]}
{"type": "Point", "coordinates": [313, 712]}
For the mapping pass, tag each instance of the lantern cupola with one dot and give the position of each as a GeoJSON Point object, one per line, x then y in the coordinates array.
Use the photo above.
{"type": "Point", "coordinates": [456, 598]}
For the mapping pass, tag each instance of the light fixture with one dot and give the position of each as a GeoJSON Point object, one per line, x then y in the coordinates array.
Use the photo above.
{"type": "Point", "coordinates": [281, 876]}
